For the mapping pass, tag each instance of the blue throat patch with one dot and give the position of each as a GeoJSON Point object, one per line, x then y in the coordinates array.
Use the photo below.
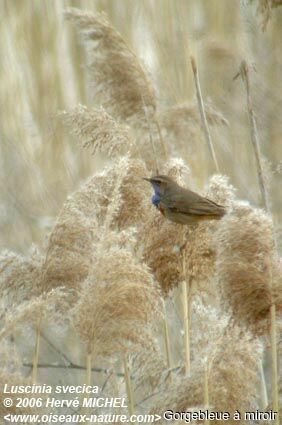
{"type": "Point", "coordinates": [156, 199]}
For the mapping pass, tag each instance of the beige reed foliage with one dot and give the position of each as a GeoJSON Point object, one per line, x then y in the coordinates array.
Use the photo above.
{"type": "Point", "coordinates": [264, 8]}
{"type": "Point", "coordinates": [119, 303]}
{"type": "Point", "coordinates": [149, 369]}
{"type": "Point", "coordinates": [48, 307]}
{"type": "Point", "coordinates": [20, 276]}
{"type": "Point", "coordinates": [160, 240]}
{"type": "Point", "coordinates": [133, 210]}
{"type": "Point", "coordinates": [118, 195]}
{"type": "Point", "coordinates": [10, 359]}
{"type": "Point", "coordinates": [10, 363]}
{"type": "Point", "coordinates": [200, 248]}
{"type": "Point", "coordinates": [181, 116]}
{"type": "Point", "coordinates": [233, 378]}
{"type": "Point", "coordinates": [181, 395]}
{"type": "Point", "coordinates": [97, 130]}
{"type": "Point", "coordinates": [71, 242]}
{"type": "Point", "coordinates": [248, 270]}
{"type": "Point", "coordinates": [10, 379]}
{"type": "Point", "coordinates": [208, 325]}
{"type": "Point", "coordinates": [117, 79]}
{"type": "Point", "coordinates": [69, 248]}
{"type": "Point", "coordinates": [235, 370]}
{"type": "Point", "coordinates": [181, 127]}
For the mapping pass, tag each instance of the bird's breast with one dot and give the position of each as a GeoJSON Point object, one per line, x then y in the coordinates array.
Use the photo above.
{"type": "Point", "coordinates": [161, 208]}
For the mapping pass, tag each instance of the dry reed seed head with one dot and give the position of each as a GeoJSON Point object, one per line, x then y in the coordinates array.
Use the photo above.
{"type": "Point", "coordinates": [10, 359]}
{"type": "Point", "coordinates": [233, 364]}
{"type": "Point", "coordinates": [16, 378]}
{"type": "Point", "coordinates": [181, 125]}
{"type": "Point", "coordinates": [150, 146]}
{"type": "Point", "coordinates": [117, 78]}
{"type": "Point", "coordinates": [116, 303]}
{"type": "Point", "coordinates": [182, 395]}
{"type": "Point", "coordinates": [220, 190]}
{"type": "Point", "coordinates": [115, 197]}
{"type": "Point", "coordinates": [69, 250]}
{"type": "Point", "coordinates": [149, 369]}
{"type": "Point", "coordinates": [201, 248]}
{"type": "Point", "coordinates": [247, 268]}
{"type": "Point", "coordinates": [48, 307]}
{"type": "Point", "coordinates": [264, 8]}
{"type": "Point", "coordinates": [134, 207]}
{"type": "Point", "coordinates": [235, 369]}
{"type": "Point", "coordinates": [208, 326]}
{"type": "Point", "coordinates": [186, 113]}
{"type": "Point", "coordinates": [97, 130]}
{"type": "Point", "coordinates": [160, 242]}
{"type": "Point", "coordinates": [177, 169]}
{"type": "Point", "coordinates": [19, 276]}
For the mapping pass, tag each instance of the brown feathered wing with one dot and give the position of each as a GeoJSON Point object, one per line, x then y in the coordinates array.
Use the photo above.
{"type": "Point", "coordinates": [188, 202]}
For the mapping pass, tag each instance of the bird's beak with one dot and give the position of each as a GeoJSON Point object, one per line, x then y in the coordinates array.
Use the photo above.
{"type": "Point", "coordinates": [146, 178]}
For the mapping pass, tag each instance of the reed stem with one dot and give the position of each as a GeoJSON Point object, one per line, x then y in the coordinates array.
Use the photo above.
{"type": "Point", "coordinates": [186, 310]}
{"type": "Point", "coordinates": [88, 380]}
{"type": "Point", "coordinates": [244, 71]}
{"type": "Point", "coordinates": [206, 390]}
{"type": "Point", "coordinates": [161, 139]}
{"type": "Point", "coordinates": [275, 394]}
{"type": "Point", "coordinates": [186, 320]}
{"type": "Point", "coordinates": [264, 397]}
{"type": "Point", "coordinates": [36, 352]}
{"type": "Point", "coordinates": [167, 341]}
{"type": "Point", "coordinates": [129, 389]}
{"type": "Point", "coordinates": [205, 126]}
{"type": "Point", "coordinates": [88, 369]}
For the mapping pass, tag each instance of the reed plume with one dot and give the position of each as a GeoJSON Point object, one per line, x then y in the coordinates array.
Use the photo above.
{"type": "Point", "coordinates": [149, 368]}
{"type": "Point", "coordinates": [178, 119]}
{"type": "Point", "coordinates": [181, 129]}
{"type": "Point", "coordinates": [16, 379]}
{"type": "Point", "coordinates": [47, 307]}
{"type": "Point", "coordinates": [69, 249]}
{"type": "Point", "coordinates": [98, 131]}
{"type": "Point", "coordinates": [118, 302]}
{"type": "Point", "coordinates": [119, 82]}
{"type": "Point", "coordinates": [117, 79]}
{"type": "Point", "coordinates": [201, 249]}
{"type": "Point", "coordinates": [234, 365]}
{"type": "Point", "coordinates": [10, 359]}
{"type": "Point", "coordinates": [247, 266]}
{"type": "Point", "coordinates": [10, 374]}
{"type": "Point", "coordinates": [208, 327]}
{"type": "Point", "coordinates": [184, 394]}
{"type": "Point", "coordinates": [20, 276]}
{"type": "Point", "coordinates": [264, 8]}
{"type": "Point", "coordinates": [72, 241]}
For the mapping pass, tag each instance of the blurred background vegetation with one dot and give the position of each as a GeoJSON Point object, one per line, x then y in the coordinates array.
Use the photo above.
{"type": "Point", "coordinates": [42, 72]}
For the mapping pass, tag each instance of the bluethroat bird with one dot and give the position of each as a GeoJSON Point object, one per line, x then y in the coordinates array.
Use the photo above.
{"type": "Point", "coordinates": [182, 205]}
